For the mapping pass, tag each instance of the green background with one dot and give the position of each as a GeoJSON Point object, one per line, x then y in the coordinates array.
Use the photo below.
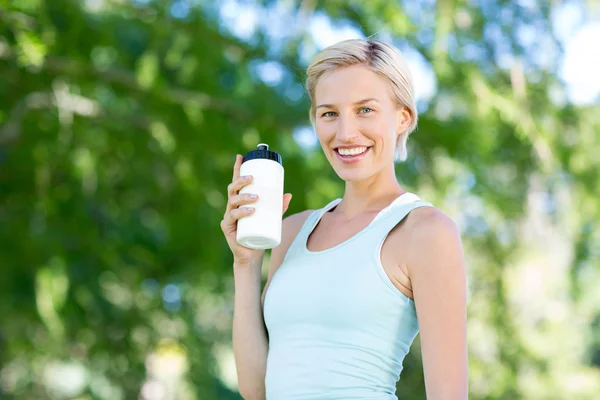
{"type": "Point", "coordinates": [119, 125]}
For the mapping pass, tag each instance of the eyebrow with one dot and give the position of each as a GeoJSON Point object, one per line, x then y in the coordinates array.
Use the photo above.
{"type": "Point", "coordinates": [356, 104]}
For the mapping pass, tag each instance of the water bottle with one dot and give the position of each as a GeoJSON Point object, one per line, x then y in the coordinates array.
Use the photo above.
{"type": "Point", "coordinates": [262, 229]}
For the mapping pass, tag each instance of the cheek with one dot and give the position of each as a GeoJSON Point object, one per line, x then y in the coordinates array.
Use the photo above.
{"type": "Point", "coordinates": [383, 134]}
{"type": "Point", "coordinates": [379, 129]}
{"type": "Point", "coordinates": [325, 131]}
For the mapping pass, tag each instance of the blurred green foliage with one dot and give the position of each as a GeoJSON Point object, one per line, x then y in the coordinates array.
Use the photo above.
{"type": "Point", "coordinates": [119, 124]}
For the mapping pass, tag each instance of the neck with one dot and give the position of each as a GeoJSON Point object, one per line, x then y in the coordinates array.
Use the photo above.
{"type": "Point", "coordinates": [370, 195]}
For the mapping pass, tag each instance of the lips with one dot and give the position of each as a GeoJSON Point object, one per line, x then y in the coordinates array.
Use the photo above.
{"type": "Point", "coordinates": [351, 155]}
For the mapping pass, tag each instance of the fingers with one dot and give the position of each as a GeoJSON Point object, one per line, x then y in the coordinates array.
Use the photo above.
{"type": "Point", "coordinates": [234, 211]}
{"type": "Point", "coordinates": [236, 167]}
{"type": "Point", "coordinates": [241, 199]}
{"type": "Point", "coordinates": [233, 215]}
{"type": "Point", "coordinates": [237, 184]}
{"type": "Point", "coordinates": [241, 212]}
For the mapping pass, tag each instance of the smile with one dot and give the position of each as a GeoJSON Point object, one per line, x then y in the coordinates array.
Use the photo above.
{"type": "Point", "coordinates": [350, 155]}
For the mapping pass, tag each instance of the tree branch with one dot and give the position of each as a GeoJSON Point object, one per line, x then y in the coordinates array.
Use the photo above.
{"type": "Point", "coordinates": [61, 65]}
{"type": "Point", "coordinates": [37, 100]}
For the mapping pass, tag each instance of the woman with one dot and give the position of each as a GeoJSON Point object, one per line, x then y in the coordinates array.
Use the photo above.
{"type": "Point", "coordinates": [351, 284]}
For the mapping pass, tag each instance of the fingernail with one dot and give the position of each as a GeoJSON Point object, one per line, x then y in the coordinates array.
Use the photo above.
{"type": "Point", "coordinates": [253, 196]}
{"type": "Point", "coordinates": [250, 209]}
{"type": "Point", "coordinates": [247, 177]}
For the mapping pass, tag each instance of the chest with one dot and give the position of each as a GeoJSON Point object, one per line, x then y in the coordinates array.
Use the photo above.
{"type": "Point", "coordinates": [331, 291]}
{"type": "Point", "coordinates": [331, 232]}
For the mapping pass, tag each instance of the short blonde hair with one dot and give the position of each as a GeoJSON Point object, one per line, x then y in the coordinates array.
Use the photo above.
{"type": "Point", "coordinates": [383, 59]}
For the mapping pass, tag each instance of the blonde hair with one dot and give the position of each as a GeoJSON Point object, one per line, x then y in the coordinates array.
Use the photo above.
{"type": "Point", "coordinates": [383, 59]}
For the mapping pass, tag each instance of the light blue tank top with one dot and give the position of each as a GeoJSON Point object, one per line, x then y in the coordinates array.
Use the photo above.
{"type": "Point", "coordinates": [338, 327]}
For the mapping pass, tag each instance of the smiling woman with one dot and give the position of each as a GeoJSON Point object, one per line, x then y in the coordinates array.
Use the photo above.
{"type": "Point", "coordinates": [355, 110]}
{"type": "Point", "coordinates": [353, 283]}
{"type": "Point", "coordinates": [395, 83]}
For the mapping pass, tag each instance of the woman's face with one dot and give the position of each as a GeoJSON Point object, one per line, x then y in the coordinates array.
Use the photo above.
{"type": "Point", "coordinates": [357, 121]}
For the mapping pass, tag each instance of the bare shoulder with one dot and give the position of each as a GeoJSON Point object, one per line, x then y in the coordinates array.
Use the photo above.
{"type": "Point", "coordinates": [432, 224]}
{"type": "Point", "coordinates": [425, 232]}
{"type": "Point", "coordinates": [290, 227]}
{"type": "Point", "coordinates": [433, 241]}
{"type": "Point", "coordinates": [295, 221]}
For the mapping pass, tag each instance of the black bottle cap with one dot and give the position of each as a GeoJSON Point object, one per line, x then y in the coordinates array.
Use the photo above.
{"type": "Point", "coordinates": [263, 152]}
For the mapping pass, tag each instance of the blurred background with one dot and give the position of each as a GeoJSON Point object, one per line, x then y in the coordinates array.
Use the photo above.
{"type": "Point", "coordinates": [119, 125]}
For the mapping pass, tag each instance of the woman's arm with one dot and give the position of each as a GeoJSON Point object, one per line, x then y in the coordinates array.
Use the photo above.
{"type": "Point", "coordinates": [249, 336]}
{"type": "Point", "coordinates": [438, 278]}
{"type": "Point", "coordinates": [250, 339]}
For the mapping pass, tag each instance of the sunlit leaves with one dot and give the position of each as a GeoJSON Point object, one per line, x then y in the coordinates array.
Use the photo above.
{"type": "Point", "coordinates": [147, 70]}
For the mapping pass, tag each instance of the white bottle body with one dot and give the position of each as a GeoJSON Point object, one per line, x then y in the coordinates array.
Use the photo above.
{"type": "Point", "coordinates": [262, 229]}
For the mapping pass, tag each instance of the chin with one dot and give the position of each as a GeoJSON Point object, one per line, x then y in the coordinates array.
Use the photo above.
{"type": "Point", "coordinates": [353, 175]}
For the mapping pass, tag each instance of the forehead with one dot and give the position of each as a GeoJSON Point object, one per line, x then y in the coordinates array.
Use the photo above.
{"type": "Point", "coordinates": [351, 84]}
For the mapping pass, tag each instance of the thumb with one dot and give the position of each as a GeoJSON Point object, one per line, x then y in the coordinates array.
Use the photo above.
{"type": "Point", "coordinates": [286, 201]}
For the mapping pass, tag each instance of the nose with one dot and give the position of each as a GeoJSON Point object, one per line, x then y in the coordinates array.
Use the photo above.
{"type": "Point", "coordinates": [347, 130]}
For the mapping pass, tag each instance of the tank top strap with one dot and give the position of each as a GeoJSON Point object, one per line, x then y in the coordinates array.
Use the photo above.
{"type": "Point", "coordinates": [308, 226]}
{"type": "Point", "coordinates": [380, 229]}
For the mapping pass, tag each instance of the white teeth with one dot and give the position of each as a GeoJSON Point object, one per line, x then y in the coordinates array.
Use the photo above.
{"type": "Point", "coordinates": [352, 152]}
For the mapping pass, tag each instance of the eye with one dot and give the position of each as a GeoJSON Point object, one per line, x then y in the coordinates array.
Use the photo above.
{"type": "Point", "coordinates": [328, 114]}
{"type": "Point", "coordinates": [365, 110]}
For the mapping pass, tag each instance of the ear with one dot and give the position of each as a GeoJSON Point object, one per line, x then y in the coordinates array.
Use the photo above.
{"type": "Point", "coordinates": [404, 119]}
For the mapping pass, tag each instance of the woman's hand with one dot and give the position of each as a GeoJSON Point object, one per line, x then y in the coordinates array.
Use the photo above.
{"type": "Point", "coordinates": [242, 255]}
